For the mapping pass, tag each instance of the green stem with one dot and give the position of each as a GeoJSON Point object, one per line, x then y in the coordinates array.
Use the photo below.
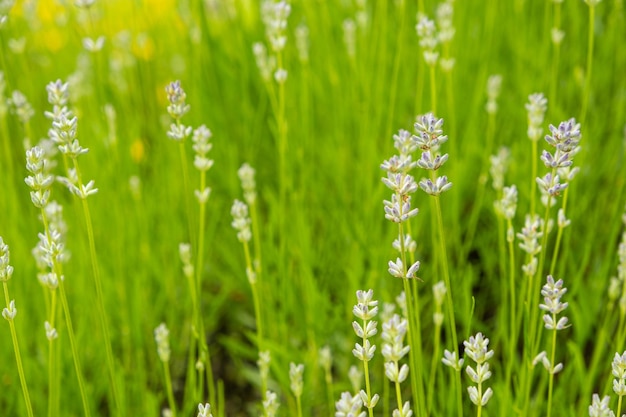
{"type": "Point", "coordinates": [70, 332]}
{"type": "Point", "coordinates": [299, 404]}
{"type": "Point", "coordinates": [415, 336]}
{"type": "Point", "coordinates": [18, 356]}
{"type": "Point", "coordinates": [533, 177]}
{"type": "Point", "coordinates": [559, 236]}
{"type": "Point", "coordinates": [449, 303]}
{"type": "Point", "coordinates": [433, 90]}
{"type": "Point", "coordinates": [99, 296]}
{"type": "Point", "coordinates": [583, 112]}
{"type": "Point", "coordinates": [514, 329]}
{"type": "Point", "coordinates": [552, 355]}
{"type": "Point", "coordinates": [186, 188]}
{"type": "Point", "coordinates": [168, 387]}
{"type": "Point", "coordinates": [329, 391]}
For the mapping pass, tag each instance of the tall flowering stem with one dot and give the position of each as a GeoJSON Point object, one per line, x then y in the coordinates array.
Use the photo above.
{"type": "Point", "coordinates": [564, 139]}
{"type": "Point", "coordinates": [399, 211]}
{"type": "Point", "coordinates": [429, 137]}
{"type": "Point", "coordinates": [9, 314]}
{"type": "Point", "coordinates": [241, 223]}
{"type": "Point", "coordinates": [552, 292]}
{"type": "Point", "coordinates": [476, 348]}
{"type": "Point", "coordinates": [178, 132]}
{"type": "Point", "coordinates": [161, 336]}
{"type": "Point", "coordinates": [590, 43]}
{"type": "Point", "coordinates": [64, 134]}
{"type": "Point", "coordinates": [393, 351]}
{"type": "Point", "coordinates": [365, 310]}
{"type": "Point", "coordinates": [619, 383]}
{"type": "Point", "coordinates": [505, 208]}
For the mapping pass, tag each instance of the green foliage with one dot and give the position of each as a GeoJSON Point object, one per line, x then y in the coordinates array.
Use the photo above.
{"type": "Point", "coordinates": [322, 234]}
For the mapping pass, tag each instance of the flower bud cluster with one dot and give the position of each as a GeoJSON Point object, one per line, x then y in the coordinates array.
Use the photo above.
{"type": "Point", "coordinates": [532, 231]}
{"type": "Point", "coordinates": [270, 404]}
{"type": "Point", "coordinates": [177, 108]}
{"type": "Point", "coordinates": [248, 184]}
{"type": "Point", "coordinates": [445, 34]}
{"type": "Point", "coordinates": [302, 42]}
{"type": "Point", "coordinates": [20, 106]}
{"type": "Point", "coordinates": [429, 137]}
{"type": "Point", "coordinates": [552, 292]}
{"type": "Point", "coordinates": [476, 348]}
{"type": "Point", "coordinates": [349, 37]}
{"type": "Point", "coordinates": [162, 338]}
{"type": "Point", "coordinates": [40, 179]}
{"type": "Point", "coordinates": [565, 139]}
{"type": "Point", "coordinates": [204, 410]}
{"type": "Point", "coordinates": [64, 134]}
{"type": "Point", "coordinates": [507, 205]}
{"type": "Point", "coordinates": [266, 63]}
{"type": "Point", "coordinates": [202, 147]}
{"type": "Point", "coordinates": [494, 85]}
{"type": "Point", "coordinates": [536, 107]}
{"type": "Point", "coordinates": [6, 270]}
{"type": "Point", "coordinates": [428, 39]}
{"type": "Point", "coordinates": [295, 378]}
{"type": "Point", "coordinates": [393, 350]}
{"type": "Point", "coordinates": [274, 16]}
{"type": "Point", "coordinates": [398, 209]}
{"type": "Point", "coordinates": [439, 292]}
{"type": "Point", "coordinates": [600, 407]}
{"type": "Point", "coordinates": [619, 372]}
{"type": "Point", "coordinates": [365, 309]}
{"type": "Point", "coordinates": [184, 251]}
{"type": "Point", "coordinates": [349, 406]}
{"type": "Point", "coordinates": [499, 165]}
{"type": "Point", "coordinates": [241, 221]}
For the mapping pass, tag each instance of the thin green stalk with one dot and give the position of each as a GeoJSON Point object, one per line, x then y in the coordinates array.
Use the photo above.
{"type": "Point", "coordinates": [396, 67]}
{"type": "Point", "coordinates": [590, 39]}
{"type": "Point", "coordinates": [449, 303]}
{"type": "Point", "coordinates": [299, 405]}
{"type": "Point", "coordinates": [18, 356]}
{"type": "Point", "coordinates": [198, 290]}
{"type": "Point", "coordinates": [513, 298]}
{"type": "Point", "coordinates": [255, 296]}
{"type": "Point", "coordinates": [552, 355]}
{"type": "Point", "coordinates": [482, 183]}
{"type": "Point", "coordinates": [434, 365]}
{"type": "Point", "coordinates": [186, 188]}
{"type": "Point", "coordinates": [56, 268]}
{"type": "Point", "coordinates": [367, 380]}
{"type": "Point", "coordinates": [479, 407]}
{"type": "Point", "coordinates": [168, 387]}
{"type": "Point", "coordinates": [398, 391]}
{"type": "Point", "coordinates": [535, 329]}
{"type": "Point", "coordinates": [555, 54]}
{"type": "Point", "coordinates": [533, 182]}
{"type": "Point", "coordinates": [328, 376]}
{"type": "Point", "coordinates": [415, 338]}
{"type": "Point", "coordinates": [433, 90]}
{"type": "Point", "coordinates": [258, 264]}
{"type": "Point", "coordinates": [619, 405]}
{"type": "Point", "coordinates": [77, 365]}
{"type": "Point", "coordinates": [99, 296]}
{"type": "Point", "coordinates": [559, 235]}
{"type": "Point", "coordinates": [53, 388]}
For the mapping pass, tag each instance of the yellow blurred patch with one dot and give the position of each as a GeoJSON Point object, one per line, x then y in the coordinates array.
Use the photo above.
{"type": "Point", "coordinates": [53, 40]}
{"type": "Point", "coordinates": [143, 47]}
{"type": "Point", "coordinates": [138, 151]}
